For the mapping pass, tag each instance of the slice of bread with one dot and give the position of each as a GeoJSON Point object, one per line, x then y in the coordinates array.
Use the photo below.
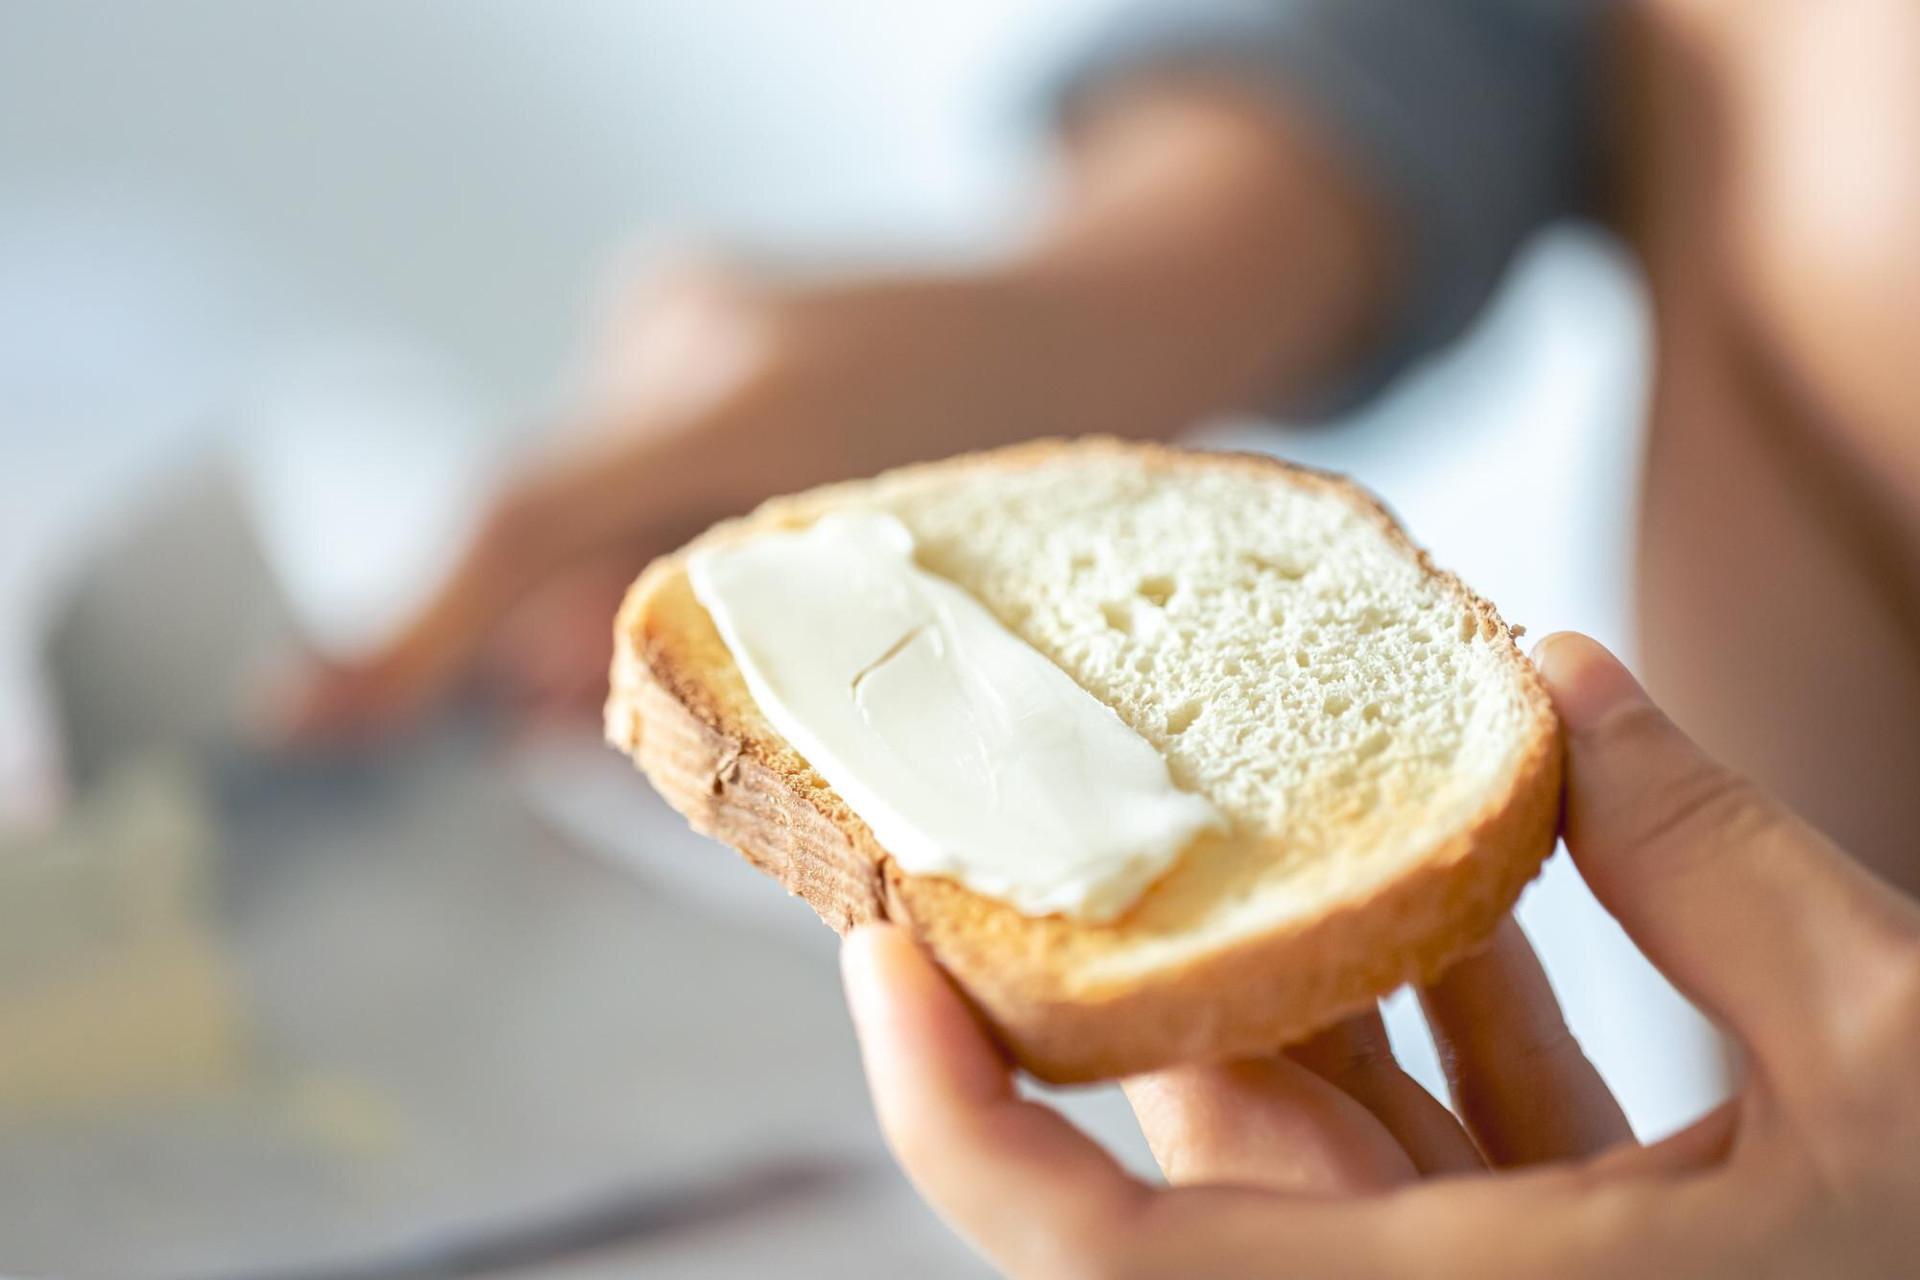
{"type": "Point", "coordinates": [1388, 761]}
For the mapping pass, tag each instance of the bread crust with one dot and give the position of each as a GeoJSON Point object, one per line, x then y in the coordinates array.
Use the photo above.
{"type": "Point", "coordinates": [707, 749]}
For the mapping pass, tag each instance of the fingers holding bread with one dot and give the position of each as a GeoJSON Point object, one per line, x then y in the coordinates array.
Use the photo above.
{"type": "Point", "coordinates": [1520, 1081]}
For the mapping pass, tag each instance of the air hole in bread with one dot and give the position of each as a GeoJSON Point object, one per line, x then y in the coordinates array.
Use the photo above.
{"type": "Point", "coordinates": [1286, 567]}
{"type": "Point", "coordinates": [1119, 616]}
{"type": "Point", "coordinates": [1156, 590]}
{"type": "Point", "coordinates": [1181, 718]}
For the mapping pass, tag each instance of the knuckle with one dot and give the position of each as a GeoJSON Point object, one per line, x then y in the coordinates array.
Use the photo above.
{"type": "Point", "coordinates": [1859, 1130]}
{"type": "Point", "coordinates": [755, 337]}
{"type": "Point", "coordinates": [1879, 1020]}
{"type": "Point", "coordinates": [513, 533]}
{"type": "Point", "coordinates": [1356, 1060]}
{"type": "Point", "coordinates": [684, 283]}
{"type": "Point", "coordinates": [1633, 723]}
{"type": "Point", "coordinates": [1527, 1053]}
{"type": "Point", "coordinates": [1702, 809]}
{"type": "Point", "coordinates": [701, 333]}
{"type": "Point", "coordinates": [1545, 1047]}
{"type": "Point", "coordinates": [1697, 800]}
{"type": "Point", "coordinates": [1348, 1053]}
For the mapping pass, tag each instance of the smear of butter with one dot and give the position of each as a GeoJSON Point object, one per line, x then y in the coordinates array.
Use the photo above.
{"type": "Point", "coordinates": [966, 751]}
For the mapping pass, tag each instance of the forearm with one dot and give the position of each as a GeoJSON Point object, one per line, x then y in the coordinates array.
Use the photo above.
{"type": "Point", "coordinates": [1204, 252]}
{"type": "Point", "coordinates": [1207, 253]}
{"type": "Point", "coordinates": [1203, 255]}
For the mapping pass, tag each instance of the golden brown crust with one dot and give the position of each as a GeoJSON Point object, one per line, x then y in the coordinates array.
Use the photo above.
{"type": "Point", "coordinates": [680, 708]}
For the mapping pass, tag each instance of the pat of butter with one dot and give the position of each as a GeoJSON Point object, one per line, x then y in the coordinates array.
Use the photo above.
{"type": "Point", "coordinates": [967, 752]}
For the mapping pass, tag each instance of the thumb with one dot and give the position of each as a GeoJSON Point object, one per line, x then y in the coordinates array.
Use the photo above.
{"type": "Point", "coordinates": [1749, 911]}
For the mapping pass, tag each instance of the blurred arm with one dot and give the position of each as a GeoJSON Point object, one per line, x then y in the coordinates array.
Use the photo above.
{"type": "Point", "coordinates": [1281, 203]}
{"type": "Point", "coordinates": [1203, 251]}
{"type": "Point", "coordinates": [1216, 242]}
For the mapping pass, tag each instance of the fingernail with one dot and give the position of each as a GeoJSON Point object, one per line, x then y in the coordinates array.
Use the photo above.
{"type": "Point", "coordinates": [1586, 681]}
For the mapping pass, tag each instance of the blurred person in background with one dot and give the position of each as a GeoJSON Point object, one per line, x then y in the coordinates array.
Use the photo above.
{"type": "Point", "coordinates": [1282, 206]}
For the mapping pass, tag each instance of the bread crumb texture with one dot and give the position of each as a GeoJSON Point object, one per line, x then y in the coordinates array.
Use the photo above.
{"type": "Point", "coordinates": [1293, 658]}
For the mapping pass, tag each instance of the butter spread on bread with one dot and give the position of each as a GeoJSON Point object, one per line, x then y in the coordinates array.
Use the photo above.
{"type": "Point", "coordinates": [965, 751]}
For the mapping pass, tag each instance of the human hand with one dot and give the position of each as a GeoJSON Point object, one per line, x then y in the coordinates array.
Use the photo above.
{"type": "Point", "coordinates": [1326, 1161]}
